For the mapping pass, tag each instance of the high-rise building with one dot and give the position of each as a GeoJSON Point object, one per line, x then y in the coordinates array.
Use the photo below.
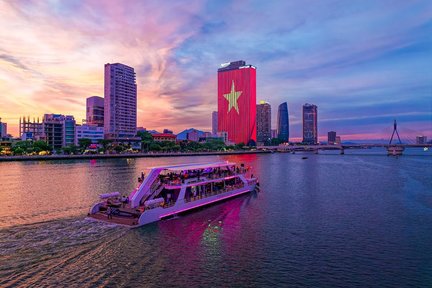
{"type": "Point", "coordinates": [421, 140]}
{"type": "Point", "coordinates": [237, 101]}
{"type": "Point", "coordinates": [331, 137]}
{"type": "Point", "coordinates": [3, 129]}
{"type": "Point", "coordinates": [283, 122]}
{"type": "Point", "coordinates": [59, 130]}
{"type": "Point", "coordinates": [95, 111]}
{"type": "Point", "coordinates": [274, 133]}
{"type": "Point", "coordinates": [120, 102]}
{"type": "Point", "coordinates": [310, 124]}
{"type": "Point", "coordinates": [214, 122]}
{"type": "Point", "coordinates": [263, 120]}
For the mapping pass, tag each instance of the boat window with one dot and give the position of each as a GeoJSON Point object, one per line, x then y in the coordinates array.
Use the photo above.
{"type": "Point", "coordinates": [170, 196]}
{"type": "Point", "coordinates": [197, 192]}
{"type": "Point", "coordinates": [218, 186]}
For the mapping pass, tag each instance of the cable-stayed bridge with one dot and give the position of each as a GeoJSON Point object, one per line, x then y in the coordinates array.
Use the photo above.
{"type": "Point", "coordinates": [393, 149]}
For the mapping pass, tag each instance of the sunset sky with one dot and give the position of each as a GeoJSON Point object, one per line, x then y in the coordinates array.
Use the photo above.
{"type": "Point", "coordinates": [363, 63]}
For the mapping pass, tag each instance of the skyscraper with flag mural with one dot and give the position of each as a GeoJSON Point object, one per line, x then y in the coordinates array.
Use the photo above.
{"type": "Point", "coordinates": [237, 101]}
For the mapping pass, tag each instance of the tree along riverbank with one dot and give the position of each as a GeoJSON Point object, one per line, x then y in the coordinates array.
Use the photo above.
{"type": "Point", "coordinates": [129, 155]}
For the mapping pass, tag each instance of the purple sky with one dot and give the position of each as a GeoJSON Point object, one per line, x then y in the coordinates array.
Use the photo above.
{"type": "Point", "coordinates": [363, 63]}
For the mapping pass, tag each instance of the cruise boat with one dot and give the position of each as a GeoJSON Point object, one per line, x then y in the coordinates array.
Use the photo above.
{"type": "Point", "coordinates": [395, 150]}
{"type": "Point", "coordinates": [169, 190]}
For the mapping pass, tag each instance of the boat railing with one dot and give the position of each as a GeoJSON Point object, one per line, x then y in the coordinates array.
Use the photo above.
{"type": "Point", "coordinates": [155, 185]}
{"type": "Point", "coordinates": [169, 204]}
{"type": "Point", "coordinates": [145, 189]}
{"type": "Point", "coordinates": [173, 179]}
{"type": "Point", "coordinates": [202, 178]}
{"type": "Point", "coordinates": [164, 204]}
{"type": "Point", "coordinates": [227, 188]}
{"type": "Point", "coordinates": [157, 190]}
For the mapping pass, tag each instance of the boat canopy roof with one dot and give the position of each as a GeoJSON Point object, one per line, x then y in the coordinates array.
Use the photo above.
{"type": "Point", "coordinates": [195, 166]}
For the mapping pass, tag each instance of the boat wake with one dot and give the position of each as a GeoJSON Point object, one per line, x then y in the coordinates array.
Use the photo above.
{"type": "Point", "coordinates": [30, 254]}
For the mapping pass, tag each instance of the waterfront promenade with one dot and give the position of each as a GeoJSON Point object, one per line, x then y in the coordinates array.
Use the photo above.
{"type": "Point", "coordinates": [126, 155]}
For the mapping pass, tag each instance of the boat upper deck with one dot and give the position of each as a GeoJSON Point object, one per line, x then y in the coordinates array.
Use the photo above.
{"type": "Point", "coordinates": [173, 177]}
{"type": "Point", "coordinates": [195, 166]}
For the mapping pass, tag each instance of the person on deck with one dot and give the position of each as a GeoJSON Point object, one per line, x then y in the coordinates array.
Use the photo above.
{"type": "Point", "coordinates": [109, 212]}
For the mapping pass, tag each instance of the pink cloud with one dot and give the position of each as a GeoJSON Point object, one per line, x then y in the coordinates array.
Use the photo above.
{"type": "Point", "coordinates": [69, 52]}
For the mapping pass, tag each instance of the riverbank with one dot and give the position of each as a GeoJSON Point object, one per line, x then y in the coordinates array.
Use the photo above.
{"type": "Point", "coordinates": [132, 155]}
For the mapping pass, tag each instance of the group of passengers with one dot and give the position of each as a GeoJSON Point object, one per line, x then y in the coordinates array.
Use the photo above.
{"type": "Point", "coordinates": [202, 191]}
{"type": "Point", "coordinates": [210, 173]}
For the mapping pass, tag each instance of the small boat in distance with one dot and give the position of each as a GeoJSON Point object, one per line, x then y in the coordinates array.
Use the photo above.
{"type": "Point", "coordinates": [395, 150]}
{"type": "Point", "coordinates": [169, 190]}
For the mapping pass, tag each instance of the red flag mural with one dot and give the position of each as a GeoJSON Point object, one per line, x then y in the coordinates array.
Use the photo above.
{"type": "Point", "coordinates": [237, 101]}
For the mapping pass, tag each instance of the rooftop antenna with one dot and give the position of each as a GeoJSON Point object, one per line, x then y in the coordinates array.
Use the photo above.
{"type": "Point", "coordinates": [397, 133]}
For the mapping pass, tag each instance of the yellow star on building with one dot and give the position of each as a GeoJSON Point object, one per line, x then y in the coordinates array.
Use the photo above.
{"type": "Point", "coordinates": [232, 98]}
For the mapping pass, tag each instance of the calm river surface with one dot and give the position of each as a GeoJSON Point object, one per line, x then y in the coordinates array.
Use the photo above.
{"type": "Point", "coordinates": [355, 220]}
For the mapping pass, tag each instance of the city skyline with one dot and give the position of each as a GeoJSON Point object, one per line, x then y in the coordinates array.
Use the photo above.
{"type": "Point", "coordinates": [354, 61]}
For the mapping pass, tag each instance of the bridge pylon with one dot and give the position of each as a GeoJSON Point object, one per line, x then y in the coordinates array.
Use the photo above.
{"type": "Point", "coordinates": [394, 149]}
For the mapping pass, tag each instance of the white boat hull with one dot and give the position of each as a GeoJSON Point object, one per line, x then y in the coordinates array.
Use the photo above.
{"type": "Point", "coordinates": [171, 190]}
{"type": "Point", "coordinates": [160, 213]}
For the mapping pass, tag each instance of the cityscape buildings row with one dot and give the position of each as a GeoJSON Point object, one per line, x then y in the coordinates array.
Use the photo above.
{"type": "Point", "coordinates": [264, 132]}
{"type": "Point", "coordinates": [238, 119]}
{"type": "Point", "coordinates": [248, 122]}
{"type": "Point", "coordinates": [112, 117]}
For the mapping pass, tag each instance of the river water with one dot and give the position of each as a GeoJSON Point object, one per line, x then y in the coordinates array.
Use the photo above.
{"type": "Point", "coordinates": [357, 220]}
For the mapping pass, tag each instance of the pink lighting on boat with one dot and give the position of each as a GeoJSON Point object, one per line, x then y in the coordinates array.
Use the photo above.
{"type": "Point", "coordinates": [203, 204]}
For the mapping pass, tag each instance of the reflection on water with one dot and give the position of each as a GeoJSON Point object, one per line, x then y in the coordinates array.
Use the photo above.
{"type": "Point", "coordinates": [329, 220]}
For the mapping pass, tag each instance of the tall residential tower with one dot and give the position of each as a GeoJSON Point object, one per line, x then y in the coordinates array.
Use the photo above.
{"type": "Point", "coordinates": [310, 124]}
{"type": "Point", "coordinates": [237, 101]}
{"type": "Point", "coordinates": [120, 103]}
{"type": "Point", "coordinates": [331, 137]}
{"type": "Point", "coordinates": [283, 122]}
{"type": "Point", "coordinates": [214, 122]}
{"type": "Point", "coordinates": [263, 120]}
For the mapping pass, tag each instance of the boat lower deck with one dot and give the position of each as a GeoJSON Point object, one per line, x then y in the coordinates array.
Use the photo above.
{"type": "Point", "coordinates": [114, 219]}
